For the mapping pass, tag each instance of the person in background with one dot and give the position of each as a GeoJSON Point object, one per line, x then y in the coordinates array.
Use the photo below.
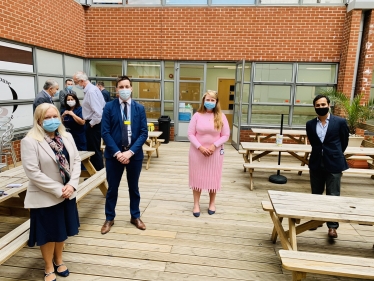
{"type": "Point", "coordinates": [124, 132]}
{"type": "Point", "coordinates": [68, 90]}
{"type": "Point", "coordinates": [74, 122]}
{"type": "Point", "coordinates": [328, 135]}
{"type": "Point", "coordinates": [92, 110]}
{"type": "Point", "coordinates": [207, 132]}
{"type": "Point", "coordinates": [52, 163]}
{"type": "Point", "coordinates": [104, 91]}
{"type": "Point", "coordinates": [50, 89]}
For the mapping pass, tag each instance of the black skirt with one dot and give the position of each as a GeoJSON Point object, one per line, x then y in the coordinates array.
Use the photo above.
{"type": "Point", "coordinates": [53, 224]}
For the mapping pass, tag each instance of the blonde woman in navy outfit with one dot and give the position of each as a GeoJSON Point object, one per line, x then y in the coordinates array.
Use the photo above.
{"type": "Point", "coordinates": [51, 162]}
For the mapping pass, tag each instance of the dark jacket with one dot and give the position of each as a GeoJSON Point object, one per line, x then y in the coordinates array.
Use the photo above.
{"type": "Point", "coordinates": [111, 129]}
{"type": "Point", "coordinates": [41, 97]}
{"type": "Point", "coordinates": [333, 146]}
{"type": "Point", "coordinates": [106, 95]}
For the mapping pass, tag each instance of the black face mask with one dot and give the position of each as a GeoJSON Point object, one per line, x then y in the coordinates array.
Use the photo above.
{"type": "Point", "coordinates": [322, 111]}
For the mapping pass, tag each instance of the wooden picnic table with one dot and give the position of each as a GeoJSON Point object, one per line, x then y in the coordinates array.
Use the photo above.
{"type": "Point", "coordinates": [152, 144]}
{"type": "Point", "coordinates": [315, 209]}
{"type": "Point", "coordinates": [293, 149]}
{"type": "Point", "coordinates": [17, 175]}
{"type": "Point", "coordinates": [299, 136]}
{"type": "Point", "coordinates": [153, 140]}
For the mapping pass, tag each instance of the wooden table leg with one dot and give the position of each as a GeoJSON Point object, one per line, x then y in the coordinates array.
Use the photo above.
{"type": "Point", "coordinates": [280, 230]}
{"type": "Point", "coordinates": [91, 171]}
{"type": "Point", "coordinates": [274, 233]}
{"type": "Point", "coordinates": [292, 233]}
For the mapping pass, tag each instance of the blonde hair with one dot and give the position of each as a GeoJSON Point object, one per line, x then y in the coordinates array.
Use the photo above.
{"type": "Point", "coordinates": [218, 123]}
{"type": "Point", "coordinates": [37, 132]}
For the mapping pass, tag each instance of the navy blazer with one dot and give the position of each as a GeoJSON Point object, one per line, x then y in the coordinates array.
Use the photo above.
{"type": "Point", "coordinates": [111, 129]}
{"type": "Point", "coordinates": [333, 146]}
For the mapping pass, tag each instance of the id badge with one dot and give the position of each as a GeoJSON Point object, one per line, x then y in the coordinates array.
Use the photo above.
{"type": "Point", "coordinates": [222, 151]}
{"type": "Point", "coordinates": [129, 133]}
{"type": "Point", "coordinates": [127, 122]}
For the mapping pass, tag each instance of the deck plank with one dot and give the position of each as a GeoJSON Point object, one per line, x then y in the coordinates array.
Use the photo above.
{"type": "Point", "coordinates": [233, 244]}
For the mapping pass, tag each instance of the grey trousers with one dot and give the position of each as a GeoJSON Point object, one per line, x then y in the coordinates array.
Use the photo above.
{"type": "Point", "coordinates": [319, 178]}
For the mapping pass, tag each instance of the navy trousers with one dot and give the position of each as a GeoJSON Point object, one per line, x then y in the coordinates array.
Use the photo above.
{"type": "Point", "coordinates": [114, 172]}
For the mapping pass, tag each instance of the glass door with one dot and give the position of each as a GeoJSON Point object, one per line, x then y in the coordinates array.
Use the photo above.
{"type": "Point", "coordinates": [236, 124]}
{"type": "Point", "coordinates": [189, 88]}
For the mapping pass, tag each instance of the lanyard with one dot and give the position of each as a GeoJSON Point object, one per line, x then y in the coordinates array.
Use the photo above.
{"type": "Point", "coordinates": [125, 118]}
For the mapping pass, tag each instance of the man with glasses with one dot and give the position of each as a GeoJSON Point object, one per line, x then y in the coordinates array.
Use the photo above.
{"type": "Point", "coordinates": [92, 111]}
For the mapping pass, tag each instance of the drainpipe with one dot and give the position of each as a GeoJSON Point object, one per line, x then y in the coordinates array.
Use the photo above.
{"type": "Point", "coordinates": [358, 55]}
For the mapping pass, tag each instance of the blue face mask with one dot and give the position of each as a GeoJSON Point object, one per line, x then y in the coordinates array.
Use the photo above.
{"type": "Point", "coordinates": [124, 94]}
{"type": "Point", "coordinates": [51, 125]}
{"type": "Point", "coordinates": [56, 94]}
{"type": "Point", "coordinates": [70, 87]}
{"type": "Point", "coordinates": [209, 105]}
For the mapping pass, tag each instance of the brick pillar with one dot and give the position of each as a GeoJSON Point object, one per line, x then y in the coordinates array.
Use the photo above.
{"type": "Point", "coordinates": [366, 64]}
{"type": "Point", "coordinates": [351, 29]}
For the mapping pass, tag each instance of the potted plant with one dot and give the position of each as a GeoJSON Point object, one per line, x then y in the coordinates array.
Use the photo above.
{"type": "Point", "coordinates": [355, 112]}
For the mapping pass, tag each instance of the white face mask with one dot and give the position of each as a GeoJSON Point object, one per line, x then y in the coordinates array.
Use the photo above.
{"type": "Point", "coordinates": [71, 103]}
{"type": "Point", "coordinates": [124, 94]}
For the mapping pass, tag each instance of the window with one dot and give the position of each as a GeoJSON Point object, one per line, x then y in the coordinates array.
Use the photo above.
{"type": "Point", "coordinates": [186, 2]}
{"type": "Point", "coordinates": [105, 68]}
{"type": "Point", "coordinates": [15, 58]}
{"type": "Point", "coordinates": [316, 73]}
{"type": "Point", "coordinates": [143, 2]}
{"type": "Point", "coordinates": [285, 88]}
{"type": "Point", "coordinates": [232, 2]}
{"type": "Point", "coordinates": [49, 62]}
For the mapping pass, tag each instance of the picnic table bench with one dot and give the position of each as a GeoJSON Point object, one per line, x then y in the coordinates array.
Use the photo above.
{"type": "Point", "coordinates": [294, 167]}
{"type": "Point", "coordinates": [301, 263]}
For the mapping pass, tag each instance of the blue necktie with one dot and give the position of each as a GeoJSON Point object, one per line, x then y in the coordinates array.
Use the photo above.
{"type": "Point", "coordinates": [125, 138]}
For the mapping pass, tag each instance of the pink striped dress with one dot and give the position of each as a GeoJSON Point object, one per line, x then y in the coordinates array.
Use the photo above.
{"type": "Point", "coordinates": [205, 172]}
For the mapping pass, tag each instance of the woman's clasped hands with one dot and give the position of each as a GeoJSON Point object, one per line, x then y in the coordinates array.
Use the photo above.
{"type": "Point", "coordinates": [67, 191]}
{"type": "Point", "coordinates": [207, 151]}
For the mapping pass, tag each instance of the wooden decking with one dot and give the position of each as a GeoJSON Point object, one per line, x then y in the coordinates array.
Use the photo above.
{"type": "Point", "coordinates": [233, 244]}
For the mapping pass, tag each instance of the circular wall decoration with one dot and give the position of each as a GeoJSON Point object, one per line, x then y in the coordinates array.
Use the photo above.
{"type": "Point", "coordinates": [171, 76]}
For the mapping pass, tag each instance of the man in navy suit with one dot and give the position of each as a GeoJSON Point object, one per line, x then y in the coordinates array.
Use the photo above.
{"type": "Point", "coordinates": [328, 136]}
{"type": "Point", "coordinates": [124, 131]}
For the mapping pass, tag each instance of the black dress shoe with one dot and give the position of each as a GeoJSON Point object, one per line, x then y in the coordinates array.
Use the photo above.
{"type": "Point", "coordinates": [210, 212]}
{"type": "Point", "coordinates": [197, 214]}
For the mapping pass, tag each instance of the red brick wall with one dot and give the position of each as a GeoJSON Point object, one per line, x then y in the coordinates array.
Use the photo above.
{"type": "Point", "coordinates": [216, 33]}
{"type": "Point", "coordinates": [365, 69]}
{"type": "Point", "coordinates": [349, 47]}
{"type": "Point", "coordinates": [53, 24]}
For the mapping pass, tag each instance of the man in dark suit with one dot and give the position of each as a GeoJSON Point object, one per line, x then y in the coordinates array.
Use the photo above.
{"type": "Point", "coordinates": [124, 131]}
{"type": "Point", "coordinates": [328, 136]}
{"type": "Point", "coordinates": [68, 90]}
{"type": "Point", "coordinates": [50, 89]}
{"type": "Point", "coordinates": [104, 91]}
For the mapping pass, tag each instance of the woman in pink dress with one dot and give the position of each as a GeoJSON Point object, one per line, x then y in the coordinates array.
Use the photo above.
{"type": "Point", "coordinates": [207, 132]}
